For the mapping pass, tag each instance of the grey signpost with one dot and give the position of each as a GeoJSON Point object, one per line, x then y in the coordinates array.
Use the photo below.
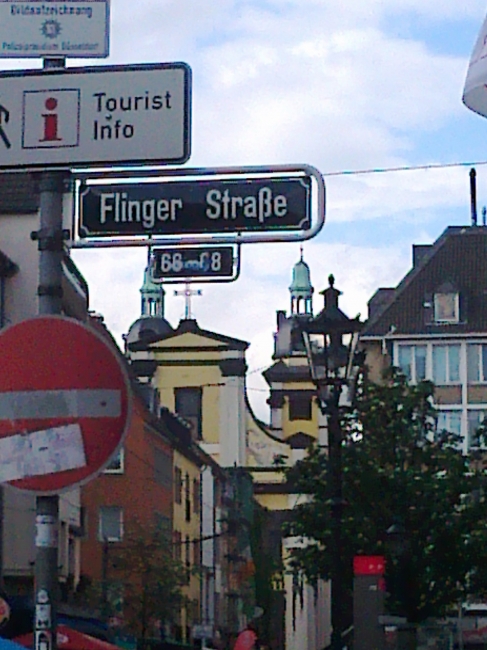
{"type": "Point", "coordinates": [51, 246]}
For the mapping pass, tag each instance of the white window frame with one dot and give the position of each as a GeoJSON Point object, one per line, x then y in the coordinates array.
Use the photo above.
{"type": "Point", "coordinates": [120, 456]}
{"type": "Point", "coordinates": [481, 378]}
{"type": "Point", "coordinates": [448, 381]}
{"type": "Point", "coordinates": [455, 318]}
{"type": "Point", "coordinates": [414, 379]}
{"type": "Point", "coordinates": [480, 412]}
{"type": "Point", "coordinates": [448, 412]}
{"type": "Point", "coordinates": [100, 524]}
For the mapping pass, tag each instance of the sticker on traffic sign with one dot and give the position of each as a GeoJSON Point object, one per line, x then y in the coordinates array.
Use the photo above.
{"type": "Point", "coordinates": [64, 405]}
{"type": "Point", "coordinates": [95, 116]}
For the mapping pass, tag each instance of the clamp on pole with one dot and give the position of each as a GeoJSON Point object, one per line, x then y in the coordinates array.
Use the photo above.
{"type": "Point", "coordinates": [49, 240]}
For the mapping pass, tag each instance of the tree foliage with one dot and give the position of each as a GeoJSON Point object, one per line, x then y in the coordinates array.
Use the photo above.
{"type": "Point", "coordinates": [143, 581]}
{"type": "Point", "coordinates": [397, 467]}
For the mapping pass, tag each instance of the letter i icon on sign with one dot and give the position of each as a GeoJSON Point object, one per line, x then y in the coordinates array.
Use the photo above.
{"type": "Point", "coordinates": [50, 121]}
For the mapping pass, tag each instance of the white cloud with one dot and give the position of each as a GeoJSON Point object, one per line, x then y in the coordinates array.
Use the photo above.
{"type": "Point", "coordinates": [245, 309]}
{"type": "Point", "coordinates": [411, 195]}
{"type": "Point", "coordinates": [301, 81]}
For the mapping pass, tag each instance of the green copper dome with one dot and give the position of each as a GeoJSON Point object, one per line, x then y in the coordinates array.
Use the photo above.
{"type": "Point", "coordinates": [301, 288]}
{"type": "Point", "coordinates": [301, 282]}
{"type": "Point", "coordinates": [149, 287]}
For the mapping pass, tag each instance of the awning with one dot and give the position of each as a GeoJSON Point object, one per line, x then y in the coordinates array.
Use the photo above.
{"type": "Point", "coordinates": [6, 644]}
{"type": "Point", "coordinates": [475, 91]}
{"type": "Point", "coordinates": [68, 639]}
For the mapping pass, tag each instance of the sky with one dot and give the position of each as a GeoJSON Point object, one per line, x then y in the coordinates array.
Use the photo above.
{"type": "Point", "coordinates": [346, 86]}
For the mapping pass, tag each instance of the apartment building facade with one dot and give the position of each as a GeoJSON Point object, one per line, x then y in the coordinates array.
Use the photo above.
{"type": "Point", "coordinates": [433, 325]}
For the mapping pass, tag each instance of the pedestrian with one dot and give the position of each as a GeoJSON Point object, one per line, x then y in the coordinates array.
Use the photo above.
{"type": "Point", "coordinates": [247, 639]}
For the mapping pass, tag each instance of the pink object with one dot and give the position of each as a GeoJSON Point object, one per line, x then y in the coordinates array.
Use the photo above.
{"type": "Point", "coordinates": [69, 639]}
{"type": "Point", "coordinates": [245, 640]}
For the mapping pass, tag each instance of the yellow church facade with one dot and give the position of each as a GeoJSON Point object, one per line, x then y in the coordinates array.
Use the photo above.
{"type": "Point", "coordinates": [201, 376]}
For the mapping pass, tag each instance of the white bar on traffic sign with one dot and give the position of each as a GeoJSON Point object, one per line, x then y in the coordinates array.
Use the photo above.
{"type": "Point", "coordinates": [54, 28]}
{"type": "Point", "coordinates": [78, 403]}
{"type": "Point", "coordinates": [95, 116]}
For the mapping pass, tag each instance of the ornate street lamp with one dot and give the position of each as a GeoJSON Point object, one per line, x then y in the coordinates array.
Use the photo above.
{"type": "Point", "coordinates": [331, 340]}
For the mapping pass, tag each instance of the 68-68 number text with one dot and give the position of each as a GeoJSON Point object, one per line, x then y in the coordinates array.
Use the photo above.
{"type": "Point", "coordinates": [194, 262]}
{"type": "Point", "coordinates": [176, 263]}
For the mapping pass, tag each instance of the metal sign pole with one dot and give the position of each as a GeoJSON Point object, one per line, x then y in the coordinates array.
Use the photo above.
{"type": "Point", "coordinates": [51, 250]}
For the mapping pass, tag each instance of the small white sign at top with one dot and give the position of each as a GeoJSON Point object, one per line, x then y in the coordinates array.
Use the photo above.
{"type": "Point", "coordinates": [54, 28]}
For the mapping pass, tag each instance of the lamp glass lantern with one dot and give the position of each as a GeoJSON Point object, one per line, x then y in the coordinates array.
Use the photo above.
{"type": "Point", "coordinates": [330, 341]}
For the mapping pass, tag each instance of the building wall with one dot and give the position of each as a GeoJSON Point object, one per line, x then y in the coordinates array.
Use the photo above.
{"type": "Point", "coordinates": [137, 489]}
{"type": "Point", "coordinates": [377, 359]}
{"type": "Point", "coordinates": [187, 535]}
{"type": "Point", "coordinates": [193, 360]}
{"type": "Point", "coordinates": [21, 289]}
{"type": "Point", "coordinates": [461, 403]}
{"type": "Point", "coordinates": [307, 624]}
{"type": "Point", "coordinates": [19, 302]}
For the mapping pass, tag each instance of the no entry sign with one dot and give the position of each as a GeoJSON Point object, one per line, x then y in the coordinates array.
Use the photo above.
{"type": "Point", "coordinates": [64, 404]}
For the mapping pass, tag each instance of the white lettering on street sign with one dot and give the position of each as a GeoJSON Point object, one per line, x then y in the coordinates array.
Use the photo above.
{"type": "Point", "coordinates": [264, 205]}
{"type": "Point", "coordinates": [76, 117]}
{"type": "Point", "coordinates": [54, 28]}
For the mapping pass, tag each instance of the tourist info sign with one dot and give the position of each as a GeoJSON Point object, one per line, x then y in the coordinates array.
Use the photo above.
{"type": "Point", "coordinates": [224, 206]}
{"type": "Point", "coordinates": [54, 28]}
{"type": "Point", "coordinates": [95, 116]}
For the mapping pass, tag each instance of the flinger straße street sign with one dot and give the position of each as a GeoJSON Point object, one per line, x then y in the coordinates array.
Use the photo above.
{"type": "Point", "coordinates": [195, 206]}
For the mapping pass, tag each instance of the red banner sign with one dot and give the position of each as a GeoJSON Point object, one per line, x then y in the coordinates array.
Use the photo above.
{"type": "Point", "coordinates": [368, 565]}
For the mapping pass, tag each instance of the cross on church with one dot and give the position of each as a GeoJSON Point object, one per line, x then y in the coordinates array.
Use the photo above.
{"type": "Point", "coordinates": [188, 293]}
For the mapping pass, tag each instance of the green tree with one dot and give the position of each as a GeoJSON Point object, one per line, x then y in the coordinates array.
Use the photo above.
{"type": "Point", "coordinates": [143, 581]}
{"type": "Point", "coordinates": [150, 576]}
{"type": "Point", "coordinates": [398, 469]}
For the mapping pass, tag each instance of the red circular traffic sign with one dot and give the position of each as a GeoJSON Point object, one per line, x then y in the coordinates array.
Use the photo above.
{"type": "Point", "coordinates": [64, 403]}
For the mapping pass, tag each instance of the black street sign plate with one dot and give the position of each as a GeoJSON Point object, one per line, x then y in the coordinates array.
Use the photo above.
{"type": "Point", "coordinates": [206, 262]}
{"type": "Point", "coordinates": [191, 207]}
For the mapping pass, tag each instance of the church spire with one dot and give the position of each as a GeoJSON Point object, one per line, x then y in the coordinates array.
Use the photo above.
{"type": "Point", "coordinates": [152, 293]}
{"type": "Point", "coordinates": [301, 289]}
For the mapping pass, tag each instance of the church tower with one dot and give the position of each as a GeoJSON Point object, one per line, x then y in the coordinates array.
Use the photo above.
{"type": "Point", "coordinates": [301, 289]}
{"type": "Point", "coordinates": [296, 421]}
{"type": "Point", "coordinates": [152, 294]}
{"type": "Point", "coordinates": [295, 417]}
{"type": "Point", "coordinates": [151, 323]}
